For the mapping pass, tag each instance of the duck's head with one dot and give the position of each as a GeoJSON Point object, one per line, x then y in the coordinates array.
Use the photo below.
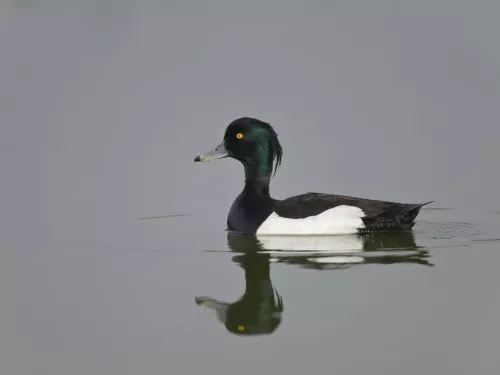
{"type": "Point", "coordinates": [253, 142]}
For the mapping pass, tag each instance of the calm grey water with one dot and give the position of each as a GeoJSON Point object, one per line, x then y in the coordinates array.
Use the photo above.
{"type": "Point", "coordinates": [103, 106]}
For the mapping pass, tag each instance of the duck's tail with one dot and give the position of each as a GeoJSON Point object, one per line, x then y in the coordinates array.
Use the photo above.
{"type": "Point", "coordinates": [398, 219]}
{"type": "Point", "coordinates": [406, 219]}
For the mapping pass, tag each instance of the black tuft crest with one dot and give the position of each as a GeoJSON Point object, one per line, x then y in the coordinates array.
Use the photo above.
{"type": "Point", "coordinates": [276, 148]}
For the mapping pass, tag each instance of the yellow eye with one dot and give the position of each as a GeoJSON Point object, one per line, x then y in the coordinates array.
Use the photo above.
{"type": "Point", "coordinates": [239, 135]}
{"type": "Point", "coordinates": [240, 328]}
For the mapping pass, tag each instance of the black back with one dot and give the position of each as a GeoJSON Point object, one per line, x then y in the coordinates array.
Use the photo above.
{"type": "Point", "coordinates": [379, 215]}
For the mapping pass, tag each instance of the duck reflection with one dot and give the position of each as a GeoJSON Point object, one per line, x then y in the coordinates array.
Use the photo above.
{"type": "Point", "coordinates": [341, 251]}
{"type": "Point", "coordinates": [259, 310]}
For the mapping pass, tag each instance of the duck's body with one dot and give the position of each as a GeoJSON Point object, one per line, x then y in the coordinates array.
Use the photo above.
{"type": "Point", "coordinates": [255, 144]}
{"type": "Point", "coordinates": [317, 214]}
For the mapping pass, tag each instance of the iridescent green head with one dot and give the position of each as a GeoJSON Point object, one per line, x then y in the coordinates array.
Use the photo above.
{"type": "Point", "coordinates": [254, 143]}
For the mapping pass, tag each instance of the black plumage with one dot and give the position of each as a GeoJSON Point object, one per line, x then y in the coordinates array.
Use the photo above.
{"type": "Point", "coordinates": [255, 144]}
{"type": "Point", "coordinates": [379, 215]}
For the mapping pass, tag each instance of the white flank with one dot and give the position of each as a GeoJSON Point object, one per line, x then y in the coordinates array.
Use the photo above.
{"type": "Point", "coordinates": [337, 220]}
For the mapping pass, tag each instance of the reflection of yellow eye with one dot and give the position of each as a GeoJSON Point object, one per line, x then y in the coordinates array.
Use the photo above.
{"type": "Point", "coordinates": [240, 328]}
{"type": "Point", "coordinates": [239, 135]}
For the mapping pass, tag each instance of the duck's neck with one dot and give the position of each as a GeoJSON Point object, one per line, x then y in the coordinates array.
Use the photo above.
{"type": "Point", "coordinates": [258, 174]}
{"type": "Point", "coordinates": [258, 186]}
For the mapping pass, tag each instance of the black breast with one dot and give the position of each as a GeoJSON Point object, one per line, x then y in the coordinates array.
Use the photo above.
{"type": "Point", "coordinates": [248, 212]}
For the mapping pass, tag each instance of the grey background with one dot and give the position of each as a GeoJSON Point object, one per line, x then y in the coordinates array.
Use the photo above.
{"type": "Point", "coordinates": [104, 105]}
